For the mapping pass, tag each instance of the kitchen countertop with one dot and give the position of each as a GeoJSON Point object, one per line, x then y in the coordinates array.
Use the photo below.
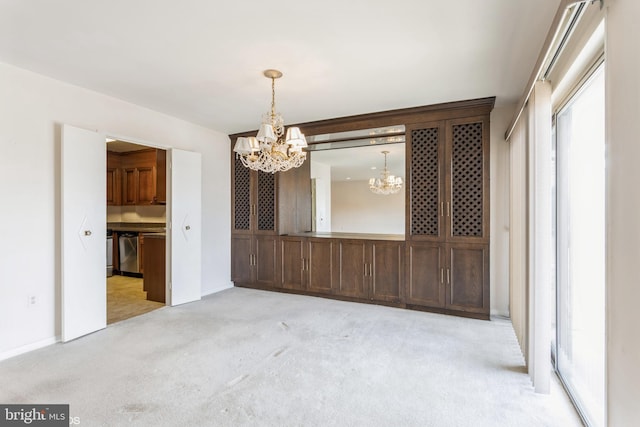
{"type": "Point", "coordinates": [154, 235]}
{"type": "Point", "coordinates": [138, 227]}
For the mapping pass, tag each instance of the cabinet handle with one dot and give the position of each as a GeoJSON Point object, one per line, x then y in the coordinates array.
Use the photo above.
{"type": "Point", "coordinates": [447, 208]}
{"type": "Point", "coordinates": [441, 208]}
{"type": "Point", "coordinates": [365, 270]}
{"type": "Point", "coordinates": [303, 265]}
{"type": "Point", "coordinates": [371, 270]}
{"type": "Point", "coordinates": [442, 275]}
{"type": "Point", "coordinates": [448, 278]}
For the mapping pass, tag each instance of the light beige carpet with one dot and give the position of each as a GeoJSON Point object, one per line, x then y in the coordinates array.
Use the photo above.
{"type": "Point", "coordinates": [246, 357]}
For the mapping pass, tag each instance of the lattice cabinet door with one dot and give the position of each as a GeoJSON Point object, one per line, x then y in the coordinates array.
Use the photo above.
{"type": "Point", "coordinates": [467, 206]}
{"type": "Point", "coordinates": [254, 201]}
{"type": "Point", "coordinates": [242, 198]}
{"type": "Point", "coordinates": [266, 202]}
{"type": "Point", "coordinates": [425, 154]}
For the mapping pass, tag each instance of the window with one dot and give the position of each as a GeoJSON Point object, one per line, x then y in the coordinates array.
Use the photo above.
{"type": "Point", "coordinates": [580, 247]}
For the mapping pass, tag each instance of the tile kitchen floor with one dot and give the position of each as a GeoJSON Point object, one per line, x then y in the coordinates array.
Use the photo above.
{"type": "Point", "coordinates": [125, 299]}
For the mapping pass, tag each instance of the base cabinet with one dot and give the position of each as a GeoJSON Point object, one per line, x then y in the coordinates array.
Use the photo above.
{"type": "Point", "coordinates": [308, 264]}
{"type": "Point", "coordinates": [425, 275]}
{"type": "Point", "coordinates": [387, 271]}
{"type": "Point", "coordinates": [371, 269]}
{"type": "Point", "coordinates": [451, 276]}
{"type": "Point", "coordinates": [254, 259]}
{"type": "Point", "coordinates": [155, 276]}
{"type": "Point", "coordinates": [468, 278]}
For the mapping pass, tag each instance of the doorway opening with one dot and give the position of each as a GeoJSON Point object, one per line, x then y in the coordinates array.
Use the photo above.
{"type": "Point", "coordinates": [136, 229]}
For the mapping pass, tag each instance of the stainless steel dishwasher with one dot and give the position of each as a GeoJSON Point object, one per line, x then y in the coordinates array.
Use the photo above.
{"type": "Point", "coordinates": [128, 250]}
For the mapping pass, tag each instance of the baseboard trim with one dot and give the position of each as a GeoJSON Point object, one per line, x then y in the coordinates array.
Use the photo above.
{"type": "Point", "coordinates": [27, 348]}
{"type": "Point", "coordinates": [224, 288]}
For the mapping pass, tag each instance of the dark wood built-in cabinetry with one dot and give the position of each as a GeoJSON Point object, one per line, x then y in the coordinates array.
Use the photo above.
{"type": "Point", "coordinates": [448, 221]}
{"type": "Point", "coordinates": [154, 256]}
{"type": "Point", "coordinates": [136, 178]}
{"type": "Point", "coordinates": [440, 264]}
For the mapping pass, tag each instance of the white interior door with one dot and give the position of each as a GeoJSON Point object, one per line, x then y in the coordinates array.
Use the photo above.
{"type": "Point", "coordinates": [83, 231]}
{"type": "Point", "coordinates": [185, 231]}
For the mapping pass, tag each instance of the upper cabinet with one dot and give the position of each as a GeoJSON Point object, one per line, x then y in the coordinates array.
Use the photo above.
{"type": "Point", "coordinates": [266, 203]}
{"type": "Point", "coordinates": [114, 180]}
{"type": "Point", "coordinates": [449, 180]}
{"type": "Point", "coordinates": [254, 201]}
{"type": "Point", "coordinates": [136, 178]}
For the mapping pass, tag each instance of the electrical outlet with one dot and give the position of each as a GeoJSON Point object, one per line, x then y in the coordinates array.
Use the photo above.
{"type": "Point", "coordinates": [32, 300]}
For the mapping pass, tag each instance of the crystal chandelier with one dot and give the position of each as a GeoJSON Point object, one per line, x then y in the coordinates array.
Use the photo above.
{"type": "Point", "coordinates": [387, 184]}
{"type": "Point", "coordinates": [268, 151]}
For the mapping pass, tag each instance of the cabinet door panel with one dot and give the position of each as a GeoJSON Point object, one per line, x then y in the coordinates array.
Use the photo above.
{"type": "Point", "coordinates": [352, 274]}
{"type": "Point", "coordinates": [241, 203]}
{"type": "Point", "coordinates": [388, 271]}
{"type": "Point", "coordinates": [425, 275]}
{"type": "Point", "coordinates": [265, 260]}
{"type": "Point", "coordinates": [468, 183]}
{"type": "Point", "coordinates": [291, 251]}
{"type": "Point", "coordinates": [113, 187]}
{"type": "Point", "coordinates": [468, 289]}
{"type": "Point", "coordinates": [146, 185]}
{"type": "Point", "coordinates": [241, 259]}
{"type": "Point", "coordinates": [129, 187]}
{"type": "Point", "coordinates": [320, 266]}
{"type": "Point", "coordinates": [266, 202]}
{"type": "Point", "coordinates": [426, 181]}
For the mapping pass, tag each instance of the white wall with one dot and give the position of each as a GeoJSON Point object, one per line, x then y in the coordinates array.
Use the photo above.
{"type": "Point", "coordinates": [623, 211]}
{"type": "Point", "coordinates": [355, 209]}
{"type": "Point", "coordinates": [499, 224]}
{"type": "Point", "coordinates": [32, 107]}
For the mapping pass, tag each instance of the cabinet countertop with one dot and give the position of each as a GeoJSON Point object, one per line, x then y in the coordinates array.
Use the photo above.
{"type": "Point", "coordinates": [154, 235]}
{"type": "Point", "coordinates": [356, 236]}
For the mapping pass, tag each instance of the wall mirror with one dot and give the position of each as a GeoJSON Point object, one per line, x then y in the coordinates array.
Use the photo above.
{"type": "Point", "coordinates": [342, 166]}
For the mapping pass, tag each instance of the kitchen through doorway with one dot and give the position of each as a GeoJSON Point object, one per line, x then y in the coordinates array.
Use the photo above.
{"type": "Point", "coordinates": [136, 229]}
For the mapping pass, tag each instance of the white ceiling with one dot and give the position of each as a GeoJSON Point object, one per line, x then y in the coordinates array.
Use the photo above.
{"type": "Point", "coordinates": [202, 60]}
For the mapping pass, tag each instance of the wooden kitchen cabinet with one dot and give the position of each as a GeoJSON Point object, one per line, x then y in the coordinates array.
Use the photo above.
{"type": "Point", "coordinates": [154, 257]}
{"type": "Point", "coordinates": [141, 253]}
{"type": "Point", "coordinates": [114, 180]}
{"type": "Point", "coordinates": [136, 178]}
